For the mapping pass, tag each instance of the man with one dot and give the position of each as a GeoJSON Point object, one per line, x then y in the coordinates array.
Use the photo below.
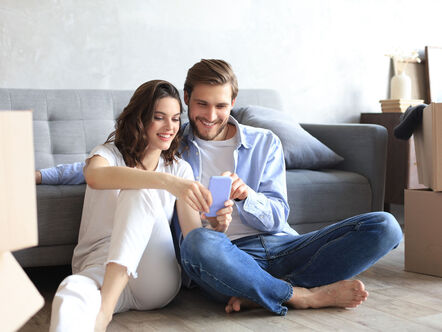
{"type": "Point", "coordinates": [260, 260]}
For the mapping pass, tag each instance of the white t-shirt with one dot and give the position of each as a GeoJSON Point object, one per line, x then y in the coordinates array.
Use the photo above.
{"type": "Point", "coordinates": [223, 153]}
{"type": "Point", "coordinates": [99, 209]}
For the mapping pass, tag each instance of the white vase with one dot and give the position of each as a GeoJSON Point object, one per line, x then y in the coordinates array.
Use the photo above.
{"type": "Point", "coordinates": [400, 86]}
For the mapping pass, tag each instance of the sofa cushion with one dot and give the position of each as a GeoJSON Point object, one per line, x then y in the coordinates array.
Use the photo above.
{"type": "Point", "coordinates": [301, 150]}
{"type": "Point", "coordinates": [59, 211]}
{"type": "Point", "coordinates": [318, 198]}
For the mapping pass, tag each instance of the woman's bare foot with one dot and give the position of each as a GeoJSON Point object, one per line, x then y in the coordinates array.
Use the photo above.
{"type": "Point", "coordinates": [236, 303]}
{"type": "Point", "coordinates": [102, 322]}
{"type": "Point", "coordinates": [344, 294]}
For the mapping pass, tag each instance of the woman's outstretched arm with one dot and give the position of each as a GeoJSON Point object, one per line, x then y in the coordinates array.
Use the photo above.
{"type": "Point", "coordinates": [99, 175]}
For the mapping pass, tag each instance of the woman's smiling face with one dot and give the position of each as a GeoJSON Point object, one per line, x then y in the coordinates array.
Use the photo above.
{"type": "Point", "coordinates": [165, 124]}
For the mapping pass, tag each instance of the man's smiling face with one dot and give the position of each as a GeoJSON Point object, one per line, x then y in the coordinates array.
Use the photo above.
{"type": "Point", "coordinates": [209, 109]}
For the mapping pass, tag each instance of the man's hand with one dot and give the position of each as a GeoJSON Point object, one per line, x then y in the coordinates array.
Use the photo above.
{"type": "Point", "coordinates": [192, 192]}
{"type": "Point", "coordinates": [239, 188]}
{"type": "Point", "coordinates": [221, 222]}
{"type": "Point", "coordinates": [37, 177]}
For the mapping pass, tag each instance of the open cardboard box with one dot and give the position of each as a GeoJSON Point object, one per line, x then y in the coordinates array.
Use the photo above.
{"type": "Point", "coordinates": [18, 207]}
{"type": "Point", "coordinates": [428, 142]}
{"type": "Point", "coordinates": [423, 231]}
{"type": "Point", "coordinates": [19, 299]}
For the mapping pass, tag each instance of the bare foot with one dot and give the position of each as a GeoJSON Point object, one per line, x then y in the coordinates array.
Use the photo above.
{"type": "Point", "coordinates": [236, 303]}
{"type": "Point", "coordinates": [344, 294]}
{"type": "Point", "coordinates": [102, 322]}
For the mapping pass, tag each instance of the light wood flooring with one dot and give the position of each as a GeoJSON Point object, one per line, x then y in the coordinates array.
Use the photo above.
{"type": "Point", "coordinates": [398, 301]}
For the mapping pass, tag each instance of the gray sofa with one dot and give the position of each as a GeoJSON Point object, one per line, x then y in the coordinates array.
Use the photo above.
{"type": "Point", "coordinates": [69, 123]}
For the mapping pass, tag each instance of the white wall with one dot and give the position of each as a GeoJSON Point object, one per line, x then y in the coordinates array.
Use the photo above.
{"type": "Point", "coordinates": [325, 57]}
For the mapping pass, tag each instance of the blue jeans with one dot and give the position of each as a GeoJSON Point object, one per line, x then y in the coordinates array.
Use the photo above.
{"type": "Point", "coordinates": [263, 268]}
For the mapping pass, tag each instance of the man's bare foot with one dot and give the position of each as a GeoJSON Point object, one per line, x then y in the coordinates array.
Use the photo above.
{"type": "Point", "coordinates": [237, 303]}
{"type": "Point", "coordinates": [102, 322]}
{"type": "Point", "coordinates": [344, 294]}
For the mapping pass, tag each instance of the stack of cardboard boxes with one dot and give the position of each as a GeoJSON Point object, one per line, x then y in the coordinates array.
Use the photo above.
{"type": "Point", "coordinates": [18, 218]}
{"type": "Point", "coordinates": [423, 207]}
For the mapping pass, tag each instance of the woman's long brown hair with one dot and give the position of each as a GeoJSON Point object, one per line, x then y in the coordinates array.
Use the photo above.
{"type": "Point", "coordinates": [130, 135]}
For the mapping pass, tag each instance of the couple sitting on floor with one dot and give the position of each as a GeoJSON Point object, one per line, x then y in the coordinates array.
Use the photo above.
{"type": "Point", "coordinates": [247, 255]}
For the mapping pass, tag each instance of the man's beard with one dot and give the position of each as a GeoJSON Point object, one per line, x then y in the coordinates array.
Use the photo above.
{"type": "Point", "coordinates": [197, 133]}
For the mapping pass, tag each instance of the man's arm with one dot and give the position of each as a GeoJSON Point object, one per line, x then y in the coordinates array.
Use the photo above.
{"type": "Point", "coordinates": [61, 174]}
{"type": "Point", "coordinates": [265, 207]}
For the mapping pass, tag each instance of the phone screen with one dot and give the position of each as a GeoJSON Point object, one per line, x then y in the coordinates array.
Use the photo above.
{"type": "Point", "coordinates": [219, 187]}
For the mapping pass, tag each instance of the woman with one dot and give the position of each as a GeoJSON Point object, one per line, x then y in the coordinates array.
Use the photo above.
{"type": "Point", "coordinates": [125, 257]}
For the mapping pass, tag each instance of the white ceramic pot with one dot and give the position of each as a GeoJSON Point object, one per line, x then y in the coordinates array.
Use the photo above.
{"type": "Point", "coordinates": [400, 86]}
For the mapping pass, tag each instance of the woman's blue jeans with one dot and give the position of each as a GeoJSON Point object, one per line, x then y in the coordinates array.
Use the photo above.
{"type": "Point", "coordinates": [263, 268]}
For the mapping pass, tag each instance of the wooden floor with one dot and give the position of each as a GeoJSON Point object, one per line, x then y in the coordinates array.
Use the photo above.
{"type": "Point", "coordinates": [398, 301]}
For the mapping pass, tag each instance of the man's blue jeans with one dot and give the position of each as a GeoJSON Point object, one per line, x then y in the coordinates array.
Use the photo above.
{"type": "Point", "coordinates": [263, 268]}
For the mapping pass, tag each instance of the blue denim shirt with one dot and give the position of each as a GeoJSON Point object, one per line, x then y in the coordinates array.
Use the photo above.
{"type": "Point", "coordinates": [259, 162]}
{"type": "Point", "coordinates": [63, 174]}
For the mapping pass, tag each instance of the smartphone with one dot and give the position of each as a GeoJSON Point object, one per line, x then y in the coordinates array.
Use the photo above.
{"type": "Point", "coordinates": [219, 187]}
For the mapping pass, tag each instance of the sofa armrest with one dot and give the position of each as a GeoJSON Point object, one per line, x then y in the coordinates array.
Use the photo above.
{"type": "Point", "coordinates": [364, 149]}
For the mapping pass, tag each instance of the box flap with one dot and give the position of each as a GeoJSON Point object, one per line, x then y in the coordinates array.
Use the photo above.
{"type": "Point", "coordinates": [437, 146]}
{"type": "Point", "coordinates": [20, 300]}
{"type": "Point", "coordinates": [18, 211]}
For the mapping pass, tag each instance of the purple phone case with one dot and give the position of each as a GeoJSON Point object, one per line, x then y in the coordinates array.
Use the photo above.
{"type": "Point", "coordinates": [220, 187]}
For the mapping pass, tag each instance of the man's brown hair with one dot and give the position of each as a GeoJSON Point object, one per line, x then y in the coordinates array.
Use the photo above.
{"type": "Point", "coordinates": [212, 72]}
{"type": "Point", "coordinates": [130, 135]}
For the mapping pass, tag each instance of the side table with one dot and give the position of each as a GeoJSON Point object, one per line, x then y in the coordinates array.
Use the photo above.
{"type": "Point", "coordinates": [401, 159]}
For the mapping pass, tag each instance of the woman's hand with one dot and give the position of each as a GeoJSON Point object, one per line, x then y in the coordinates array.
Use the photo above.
{"type": "Point", "coordinates": [221, 222]}
{"type": "Point", "coordinates": [193, 193]}
{"type": "Point", "coordinates": [37, 177]}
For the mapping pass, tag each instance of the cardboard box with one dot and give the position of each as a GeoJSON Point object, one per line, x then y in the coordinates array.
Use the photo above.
{"type": "Point", "coordinates": [428, 141]}
{"type": "Point", "coordinates": [423, 231]}
{"type": "Point", "coordinates": [18, 210]}
{"type": "Point", "coordinates": [18, 218]}
{"type": "Point", "coordinates": [19, 298]}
